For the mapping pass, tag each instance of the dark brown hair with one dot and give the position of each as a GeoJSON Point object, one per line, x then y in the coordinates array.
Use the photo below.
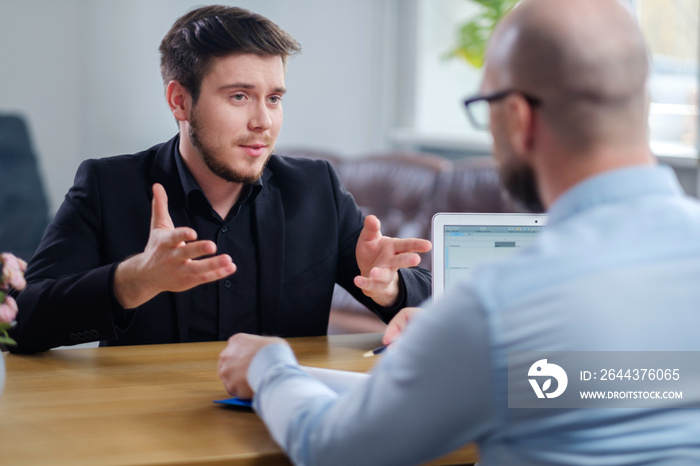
{"type": "Point", "coordinates": [189, 47]}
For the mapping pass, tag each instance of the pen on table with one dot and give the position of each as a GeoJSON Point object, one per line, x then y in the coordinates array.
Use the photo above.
{"type": "Point", "coordinates": [377, 350]}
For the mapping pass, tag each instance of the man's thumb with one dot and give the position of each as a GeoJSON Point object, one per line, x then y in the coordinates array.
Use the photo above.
{"type": "Point", "coordinates": [160, 217]}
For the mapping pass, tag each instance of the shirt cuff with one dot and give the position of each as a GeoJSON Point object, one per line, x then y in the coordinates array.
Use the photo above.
{"type": "Point", "coordinates": [268, 357]}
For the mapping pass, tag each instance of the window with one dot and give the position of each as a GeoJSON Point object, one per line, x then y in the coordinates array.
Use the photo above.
{"type": "Point", "coordinates": [671, 31]}
{"type": "Point", "coordinates": [438, 123]}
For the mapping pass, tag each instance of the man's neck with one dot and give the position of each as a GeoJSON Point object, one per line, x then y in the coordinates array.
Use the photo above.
{"type": "Point", "coordinates": [221, 194]}
{"type": "Point", "coordinates": [563, 172]}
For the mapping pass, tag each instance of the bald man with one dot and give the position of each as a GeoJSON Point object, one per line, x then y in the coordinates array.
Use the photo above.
{"type": "Point", "coordinates": [615, 270]}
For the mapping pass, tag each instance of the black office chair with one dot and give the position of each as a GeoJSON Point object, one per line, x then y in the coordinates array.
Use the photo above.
{"type": "Point", "coordinates": [24, 212]}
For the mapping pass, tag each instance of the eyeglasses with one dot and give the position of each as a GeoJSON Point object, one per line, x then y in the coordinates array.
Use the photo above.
{"type": "Point", "coordinates": [478, 107]}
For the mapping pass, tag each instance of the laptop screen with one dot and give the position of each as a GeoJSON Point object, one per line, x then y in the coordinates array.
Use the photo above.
{"type": "Point", "coordinates": [463, 241]}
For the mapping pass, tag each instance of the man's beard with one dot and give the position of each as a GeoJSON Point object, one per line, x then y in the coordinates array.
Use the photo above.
{"type": "Point", "coordinates": [217, 167]}
{"type": "Point", "coordinates": [521, 184]}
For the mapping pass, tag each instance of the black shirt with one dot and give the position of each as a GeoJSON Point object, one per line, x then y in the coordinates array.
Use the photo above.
{"type": "Point", "coordinates": [230, 305]}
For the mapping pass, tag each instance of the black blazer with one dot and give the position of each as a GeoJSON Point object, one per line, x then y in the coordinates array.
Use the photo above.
{"type": "Point", "coordinates": [307, 226]}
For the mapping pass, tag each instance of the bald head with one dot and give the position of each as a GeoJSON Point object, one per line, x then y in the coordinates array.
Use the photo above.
{"type": "Point", "coordinates": [585, 59]}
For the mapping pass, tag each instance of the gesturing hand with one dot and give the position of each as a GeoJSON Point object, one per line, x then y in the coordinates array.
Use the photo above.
{"type": "Point", "coordinates": [169, 262]}
{"type": "Point", "coordinates": [379, 258]}
{"type": "Point", "coordinates": [235, 359]}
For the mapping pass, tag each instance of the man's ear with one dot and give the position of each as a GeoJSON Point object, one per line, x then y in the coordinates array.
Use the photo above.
{"type": "Point", "coordinates": [178, 99]}
{"type": "Point", "coordinates": [520, 121]}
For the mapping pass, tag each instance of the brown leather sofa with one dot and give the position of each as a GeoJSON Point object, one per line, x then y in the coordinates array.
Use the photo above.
{"type": "Point", "coordinates": [404, 190]}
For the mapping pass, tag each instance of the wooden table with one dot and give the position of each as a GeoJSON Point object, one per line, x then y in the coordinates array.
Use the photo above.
{"type": "Point", "coordinates": [148, 405]}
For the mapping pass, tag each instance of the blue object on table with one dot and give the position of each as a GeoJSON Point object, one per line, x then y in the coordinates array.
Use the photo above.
{"type": "Point", "coordinates": [235, 401]}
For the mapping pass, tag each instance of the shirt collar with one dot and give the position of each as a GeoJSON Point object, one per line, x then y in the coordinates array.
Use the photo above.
{"type": "Point", "coordinates": [615, 186]}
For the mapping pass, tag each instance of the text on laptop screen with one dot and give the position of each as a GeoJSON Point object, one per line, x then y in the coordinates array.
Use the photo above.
{"type": "Point", "coordinates": [468, 246]}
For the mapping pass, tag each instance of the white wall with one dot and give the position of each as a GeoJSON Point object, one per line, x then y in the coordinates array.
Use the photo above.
{"type": "Point", "coordinates": [86, 75]}
{"type": "Point", "coordinates": [41, 76]}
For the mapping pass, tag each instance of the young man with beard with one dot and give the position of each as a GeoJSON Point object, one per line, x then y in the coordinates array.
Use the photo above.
{"type": "Point", "coordinates": [210, 234]}
{"type": "Point", "coordinates": [615, 270]}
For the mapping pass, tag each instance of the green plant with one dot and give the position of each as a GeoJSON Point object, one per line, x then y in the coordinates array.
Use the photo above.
{"type": "Point", "coordinates": [473, 36]}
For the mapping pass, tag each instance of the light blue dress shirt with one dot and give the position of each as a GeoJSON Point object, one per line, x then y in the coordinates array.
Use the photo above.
{"type": "Point", "coordinates": [616, 268]}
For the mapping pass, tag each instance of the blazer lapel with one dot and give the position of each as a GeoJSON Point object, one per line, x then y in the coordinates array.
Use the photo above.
{"type": "Point", "coordinates": [269, 221]}
{"type": "Point", "coordinates": [164, 171]}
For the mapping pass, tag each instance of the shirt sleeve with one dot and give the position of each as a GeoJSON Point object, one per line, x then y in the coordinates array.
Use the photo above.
{"type": "Point", "coordinates": [67, 273]}
{"type": "Point", "coordinates": [429, 394]}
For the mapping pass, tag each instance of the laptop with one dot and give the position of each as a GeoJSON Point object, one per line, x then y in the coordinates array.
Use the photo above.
{"type": "Point", "coordinates": [462, 241]}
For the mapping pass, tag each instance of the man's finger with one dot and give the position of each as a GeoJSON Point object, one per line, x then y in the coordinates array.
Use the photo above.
{"type": "Point", "coordinates": [212, 268]}
{"type": "Point", "coordinates": [196, 249]}
{"type": "Point", "coordinates": [378, 279]}
{"type": "Point", "coordinates": [381, 274]}
{"type": "Point", "coordinates": [397, 325]}
{"type": "Point", "coordinates": [198, 272]}
{"type": "Point", "coordinates": [394, 329]}
{"type": "Point", "coordinates": [176, 237]}
{"type": "Point", "coordinates": [401, 261]}
{"type": "Point", "coordinates": [402, 245]}
{"type": "Point", "coordinates": [371, 230]}
{"type": "Point", "coordinates": [160, 217]}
